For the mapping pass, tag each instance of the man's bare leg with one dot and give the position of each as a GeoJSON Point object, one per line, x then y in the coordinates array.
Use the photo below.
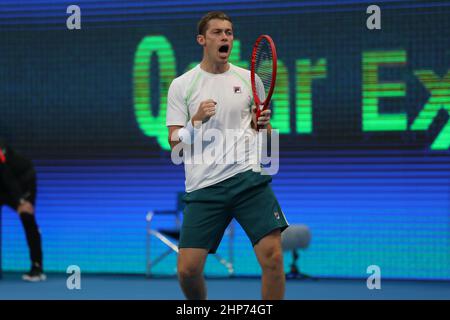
{"type": "Point", "coordinates": [270, 257]}
{"type": "Point", "coordinates": [191, 262]}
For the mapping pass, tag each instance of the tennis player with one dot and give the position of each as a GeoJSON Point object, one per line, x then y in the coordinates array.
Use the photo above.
{"type": "Point", "coordinates": [217, 95]}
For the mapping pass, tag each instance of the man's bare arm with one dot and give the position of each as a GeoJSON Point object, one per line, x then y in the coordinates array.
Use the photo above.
{"type": "Point", "coordinates": [173, 136]}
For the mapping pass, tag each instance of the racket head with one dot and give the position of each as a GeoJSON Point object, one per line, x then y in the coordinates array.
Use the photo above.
{"type": "Point", "coordinates": [263, 71]}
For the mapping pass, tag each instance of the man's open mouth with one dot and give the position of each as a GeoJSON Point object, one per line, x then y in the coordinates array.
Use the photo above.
{"type": "Point", "coordinates": [224, 48]}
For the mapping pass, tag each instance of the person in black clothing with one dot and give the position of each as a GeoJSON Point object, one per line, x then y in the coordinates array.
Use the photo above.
{"type": "Point", "coordinates": [18, 191]}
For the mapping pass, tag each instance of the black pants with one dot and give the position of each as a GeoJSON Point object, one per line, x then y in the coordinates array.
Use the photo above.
{"type": "Point", "coordinates": [28, 220]}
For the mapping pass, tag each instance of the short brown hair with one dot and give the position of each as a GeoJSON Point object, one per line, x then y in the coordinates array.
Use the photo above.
{"type": "Point", "coordinates": [202, 25]}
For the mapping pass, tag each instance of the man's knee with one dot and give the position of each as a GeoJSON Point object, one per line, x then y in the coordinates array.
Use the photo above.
{"type": "Point", "coordinates": [270, 252]}
{"type": "Point", "coordinates": [189, 271]}
{"type": "Point", "coordinates": [190, 266]}
{"type": "Point", "coordinates": [273, 259]}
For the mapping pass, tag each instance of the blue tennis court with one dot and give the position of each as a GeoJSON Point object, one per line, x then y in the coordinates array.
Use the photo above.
{"type": "Point", "coordinates": [106, 287]}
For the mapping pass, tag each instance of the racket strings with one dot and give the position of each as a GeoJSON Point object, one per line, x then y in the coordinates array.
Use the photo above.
{"type": "Point", "coordinates": [264, 65]}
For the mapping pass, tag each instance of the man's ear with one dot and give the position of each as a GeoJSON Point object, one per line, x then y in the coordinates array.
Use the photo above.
{"type": "Point", "coordinates": [201, 40]}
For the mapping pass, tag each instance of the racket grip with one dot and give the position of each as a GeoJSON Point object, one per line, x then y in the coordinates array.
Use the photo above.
{"type": "Point", "coordinates": [258, 114]}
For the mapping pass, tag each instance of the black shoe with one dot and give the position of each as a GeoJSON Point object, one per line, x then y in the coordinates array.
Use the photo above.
{"type": "Point", "coordinates": [36, 274]}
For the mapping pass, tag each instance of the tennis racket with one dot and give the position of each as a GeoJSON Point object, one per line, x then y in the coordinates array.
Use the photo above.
{"type": "Point", "coordinates": [263, 73]}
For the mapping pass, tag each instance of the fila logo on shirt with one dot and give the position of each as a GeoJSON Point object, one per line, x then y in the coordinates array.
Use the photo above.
{"type": "Point", "coordinates": [237, 89]}
{"type": "Point", "coordinates": [277, 215]}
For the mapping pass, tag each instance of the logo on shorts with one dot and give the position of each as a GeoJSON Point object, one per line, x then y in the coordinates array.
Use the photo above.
{"type": "Point", "coordinates": [277, 215]}
{"type": "Point", "coordinates": [237, 89]}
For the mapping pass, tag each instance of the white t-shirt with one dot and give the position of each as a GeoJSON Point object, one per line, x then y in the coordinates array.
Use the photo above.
{"type": "Point", "coordinates": [232, 92]}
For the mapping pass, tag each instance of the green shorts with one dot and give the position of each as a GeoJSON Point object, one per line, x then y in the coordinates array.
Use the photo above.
{"type": "Point", "coordinates": [247, 197]}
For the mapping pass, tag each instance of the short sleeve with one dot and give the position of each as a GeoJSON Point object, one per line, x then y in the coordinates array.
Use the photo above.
{"type": "Point", "coordinates": [177, 114]}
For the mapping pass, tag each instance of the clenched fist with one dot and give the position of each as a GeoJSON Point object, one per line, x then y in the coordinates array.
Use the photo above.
{"type": "Point", "coordinates": [206, 110]}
